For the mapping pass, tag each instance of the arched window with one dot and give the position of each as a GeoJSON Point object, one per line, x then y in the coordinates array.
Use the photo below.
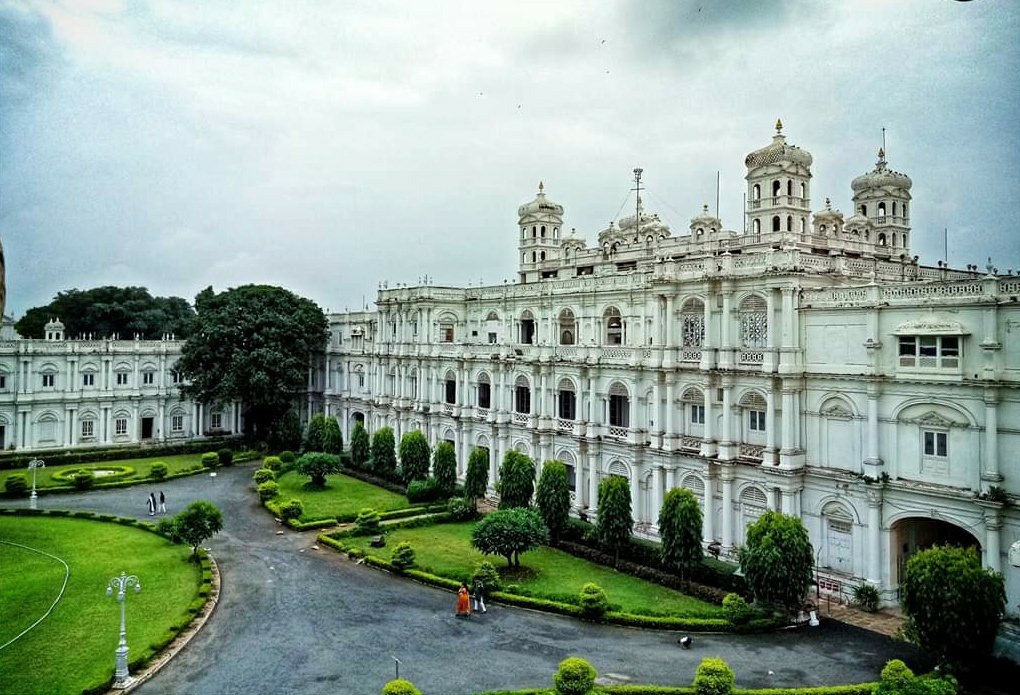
{"type": "Point", "coordinates": [776, 223]}
{"type": "Point", "coordinates": [542, 231]}
{"type": "Point", "coordinates": [789, 223]}
{"type": "Point", "coordinates": [803, 193]}
{"type": "Point", "coordinates": [894, 208]}
{"type": "Point", "coordinates": [789, 187]}
{"type": "Point", "coordinates": [543, 256]}
{"type": "Point", "coordinates": [864, 210]}
{"type": "Point", "coordinates": [838, 541]}
{"type": "Point", "coordinates": [568, 327]}
{"type": "Point", "coordinates": [527, 330]}
{"type": "Point", "coordinates": [694, 405]}
{"type": "Point", "coordinates": [776, 187]}
{"type": "Point", "coordinates": [754, 322]}
{"type": "Point", "coordinates": [484, 391]}
{"type": "Point", "coordinates": [566, 400]}
{"type": "Point", "coordinates": [894, 239]}
{"type": "Point", "coordinates": [522, 395]}
{"type": "Point", "coordinates": [700, 231]}
{"type": "Point", "coordinates": [881, 209]}
{"type": "Point", "coordinates": [803, 225]}
{"type": "Point", "coordinates": [692, 323]}
{"type": "Point", "coordinates": [534, 257]}
{"type": "Point", "coordinates": [754, 407]}
{"type": "Point", "coordinates": [822, 229]}
{"type": "Point", "coordinates": [881, 239]}
{"type": "Point", "coordinates": [904, 209]}
{"type": "Point", "coordinates": [756, 226]}
{"type": "Point", "coordinates": [614, 326]}
{"type": "Point", "coordinates": [756, 192]}
{"type": "Point", "coordinates": [619, 405]}
{"type": "Point", "coordinates": [753, 504]}
{"type": "Point", "coordinates": [451, 387]}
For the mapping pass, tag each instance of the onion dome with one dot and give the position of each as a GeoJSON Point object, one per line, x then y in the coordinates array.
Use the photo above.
{"type": "Point", "coordinates": [650, 224]}
{"type": "Point", "coordinates": [706, 222]}
{"type": "Point", "coordinates": [540, 209]}
{"type": "Point", "coordinates": [828, 214]}
{"type": "Point", "coordinates": [778, 151]}
{"type": "Point", "coordinates": [572, 241]}
{"type": "Point", "coordinates": [881, 177]}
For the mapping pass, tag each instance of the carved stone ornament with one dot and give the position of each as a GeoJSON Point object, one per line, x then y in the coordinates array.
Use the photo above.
{"type": "Point", "coordinates": [874, 496]}
{"type": "Point", "coordinates": [837, 410]}
{"type": "Point", "coordinates": [933, 419]}
{"type": "Point", "coordinates": [931, 325]}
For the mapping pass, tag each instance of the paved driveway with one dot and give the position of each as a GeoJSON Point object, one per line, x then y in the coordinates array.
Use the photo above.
{"type": "Point", "coordinates": [293, 619]}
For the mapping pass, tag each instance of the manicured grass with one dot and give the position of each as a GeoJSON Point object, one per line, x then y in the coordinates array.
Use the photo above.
{"type": "Point", "coordinates": [445, 550]}
{"type": "Point", "coordinates": [143, 466]}
{"type": "Point", "coordinates": [342, 495]}
{"type": "Point", "coordinates": [73, 648]}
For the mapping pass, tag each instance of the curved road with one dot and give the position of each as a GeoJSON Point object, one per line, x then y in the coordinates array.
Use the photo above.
{"type": "Point", "coordinates": [296, 619]}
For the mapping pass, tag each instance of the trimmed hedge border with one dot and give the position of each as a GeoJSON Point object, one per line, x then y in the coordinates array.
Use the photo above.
{"type": "Point", "coordinates": [182, 624]}
{"type": "Point", "coordinates": [122, 472]}
{"type": "Point", "coordinates": [857, 689]}
{"type": "Point", "coordinates": [58, 457]}
{"type": "Point", "coordinates": [113, 484]}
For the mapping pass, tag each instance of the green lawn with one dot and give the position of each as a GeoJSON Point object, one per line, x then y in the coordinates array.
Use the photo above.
{"type": "Point", "coordinates": [342, 495]}
{"type": "Point", "coordinates": [446, 550]}
{"type": "Point", "coordinates": [44, 476]}
{"type": "Point", "coordinates": [73, 648]}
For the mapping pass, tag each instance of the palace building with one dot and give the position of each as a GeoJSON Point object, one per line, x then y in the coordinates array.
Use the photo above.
{"type": "Point", "coordinates": [806, 363]}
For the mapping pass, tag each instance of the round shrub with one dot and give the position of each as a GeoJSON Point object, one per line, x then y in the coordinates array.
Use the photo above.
{"type": "Point", "coordinates": [367, 522]}
{"type": "Point", "coordinates": [273, 463]}
{"type": "Point", "coordinates": [158, 470]}
{"type": "Point", "coordinates": [268, 490]}
{"type": "Point", "coordinates": [16, 485]}
{"type": "Point", "coordinates": [419, 491]}
{"type": "Point", "coordinates": [292, 509]}
{"type": "Point", "coordinates": [593, 601]}
{"type": "Point", "coordinates": [264, 475]}
{"type": "Point", "coordinates": [487, 575]}
{"type": "Point", "coordinates": [574, 677]}
{"type": "Point", "coordinates": [737, 610]}
{"type": "Point", "coordinates": [210, 459]}
{"type": "Point", "coordinates": [462, 508]}
{"type": "Point", "coordinates": [403, 556]}
{"type": "Point", "coordinates": [83, 480]}
{"type": "Point", "coordinates": [287, 457]}
{"type": "Point", "coordinates": [225, 457]}
{"type": "Point", "coordinates": [400, 687]}
{"type": "Point", "coordinates": [713, 677]}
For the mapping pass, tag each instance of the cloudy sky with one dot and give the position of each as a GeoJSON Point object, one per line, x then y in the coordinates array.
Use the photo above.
{"type": "Point", "coordinates": [327, 146]}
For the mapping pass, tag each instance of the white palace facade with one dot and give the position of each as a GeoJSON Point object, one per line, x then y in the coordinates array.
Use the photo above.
{"type": "Point", "coordinates": [808, 364]}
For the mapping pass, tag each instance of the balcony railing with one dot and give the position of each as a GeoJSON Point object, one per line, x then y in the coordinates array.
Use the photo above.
{"type": "Point", "coordinates": [482, 413]}
{"type": "Point", "coordinates": [522, 418]}
{"type": "Point", "coordinates": [565, 425]}
{"type": "Point", "coordinates": [617, 432]}
{"type": "Point", "coordinates": [691, 443]}
{"type": "Point", "coordinates": [751, 452]}
{"type": "Point", "coordinates": [752, 356]}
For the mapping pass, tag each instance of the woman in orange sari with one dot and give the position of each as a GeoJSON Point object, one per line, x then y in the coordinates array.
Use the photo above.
{"type": "Point", "coordinates": [463, 601]}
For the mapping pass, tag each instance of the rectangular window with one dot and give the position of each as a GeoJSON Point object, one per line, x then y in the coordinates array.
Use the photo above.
{"type": "Point", "coordinates": [177, 423]}
{"type": "Point", "coordinates": [756, 420]}
{"type": "Point", "coordinates": [697, 414]}
{"type": "Point", "coordinates": [446, 332]}
{"type": "Point", "coordinates": [930, 351]}
{"type": "Point", "coordinates": [936, 444]}
{"type": "Point", "coordinates": [571, 477]}
{"type": "Point", "coordinates": [522, 399]}
{"type": "Point", "coordinates": [122, 378]}
{"type": "Point", "coordinates": [49, 380]}
{"type": "Point", "coordinates": [175, 376]}
{"type": "Point", "coordinates": [492, 338]}
{"type": "Point", "coordinates": [527, 331]}
{"type": "Point", "coordinates": [361, 380]}
{"type": "Point", "coordinates": [3, 382]}
{"type": "Point", "coordinates": [216, 421]}
{"type": "Point", "coordinates": [586, 270]}
{"type": "Point", "coordinates": [149, 378]}
{"type": "Point", "coordinates": [88, 428]}
{"type": "Point", "coordinates": [567, 402]}
{"type": "Point", "coordinates": [120, 426]}
{"type": "Point", "coordinates": [484, 396]}
{"type": "Point", "coordinates": [451, 391]}
{"type": "Point", "coordinates": [414, 387]}
{"type": "Point", "coordinates": [88, 379]}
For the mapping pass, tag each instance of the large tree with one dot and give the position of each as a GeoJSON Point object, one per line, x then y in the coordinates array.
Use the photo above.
{"type": "Point", "coordinates": [360, 448]}
{"type": "Point", "coordinates": [615, 520]}
{"type": "Point", "coordinates": [510, 532]}
{"type": "Point", "coordinates": [332, 437]}
{"type": "Point", "coordinates": [108, 311]}
{"type": "Point", "coordinates": [444, 468]}
{"type": "Point", "coordinates": [953, 605]}
{"type": "Point", "coordinates": [553, 496]}
{"type": "Point", "coordinates": [317, 465]}
{"type": "Point", "coordinates": [680, 530]}
{"type": "Point", "coordinates": [384, 454]}
{"type": "Point", "coordinates": [252, 344]}
{"type": "Point", "coordinates": [777, 560]}
{"type": "Point", "coordinates": [195, 524]}
{"type": "Point", "coordinates": [516, 480]}
{"type": "Point", "coordinates": [315, 434]}
{"type": "Point", "coordinates": [414, 456]}
{"type": "Point", "coordinates": [476, 480]}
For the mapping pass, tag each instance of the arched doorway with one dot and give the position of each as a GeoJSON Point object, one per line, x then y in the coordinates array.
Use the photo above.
{"type": "Point", "coordinates": [914, 534]}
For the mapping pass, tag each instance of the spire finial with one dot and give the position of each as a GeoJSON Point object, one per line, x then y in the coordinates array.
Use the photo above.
{"type": "Point", "coordinates": [828, 204]}
{"type": "Point", "coordinates": [779, 126]}
{"type": "Point", "coordinates": [541, 186]}
{"type": "Point", "coordinates": [881, 154]}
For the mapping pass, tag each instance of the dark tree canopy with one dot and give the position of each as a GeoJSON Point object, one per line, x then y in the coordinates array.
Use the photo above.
{"type": "Point", "coordinates": [108, 311]}
{"type": "Point", "coordinates": [953, 604]}
{"type": "Point", "coordinates": [444, 467]}
{"type": "Point", "coordinates": [615, 520]}
{"type": "Point", "coordinates": [384, 454]}
{"type": "Point", "coordinates": [317, 465]}
{"type": "Point", "coordinates": [553, 496]}
{"type": "Point", "coordinates": [252, 344]}
{"type": "Point", "coordinates": [332, 437]}
{"type": "Point", "coordinates": [195, 524]}
{"type": "Point", "coordinates": [777, 560]}
{"type": "Point", "coordinates": [315, 434]}
{"type": "Point", "coordinates": [476, 480]}
{"type": "Point", "coordinates": [680, 530]}
{"type": "Point", "coordinates": [414, 456]}
{"type": "Point", "coordinates": [359, 446]}
{"type": "Point", "coordinates": [516, 480]}
{"type": "Point", "coordinates": [510, 532]}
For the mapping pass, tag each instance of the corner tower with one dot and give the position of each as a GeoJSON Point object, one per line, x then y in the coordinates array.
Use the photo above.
{"type": "Point", "coordinates": [882, 197]}
{"type": "Point", "coordinates": [539, 223]}
{"type": "Point", "coordinates": [778, 189]}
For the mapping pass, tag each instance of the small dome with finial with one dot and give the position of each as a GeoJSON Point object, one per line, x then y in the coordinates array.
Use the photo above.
{"type": "Point", "coordinates": [778, 151]}
{"type": "Point", "coordinates": [881, 177]}
{"type": "Point", "coordinates": [541, 209]}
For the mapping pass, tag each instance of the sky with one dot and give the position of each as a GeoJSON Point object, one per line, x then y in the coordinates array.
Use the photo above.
{"type": "Point", "coordinates": [327, 147]}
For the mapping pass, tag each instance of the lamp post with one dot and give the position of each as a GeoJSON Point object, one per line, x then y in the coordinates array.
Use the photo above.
{"type": "Point", "coordinates": [32, 465]}
{"type": "Point", "coordinates": [121, 679]}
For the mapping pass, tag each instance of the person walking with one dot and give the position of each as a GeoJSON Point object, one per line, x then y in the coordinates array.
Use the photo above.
{"type": "Point", "coordinates": [463, 601]}
{"type": "Point", "coordinates": [162, 503]}
{"type": "Point", "coordinates": [479, 595]}
{"type": "Point", "coordinates": [150, 502]}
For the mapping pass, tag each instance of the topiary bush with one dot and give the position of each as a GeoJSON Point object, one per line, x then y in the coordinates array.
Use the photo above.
{"type": "Point", "coordinates": [400, 686]}
{"type": "Point", "coordinates": [593, 601]}
{"type": "Point", "coordinates": [487, 575]}
{"type": "Point", "coordinates": [419, 491]}
{"type": "Point", "coordinates": [263, 475]}
{"type": "Point", "coordinates": [462, 509]}
{"type": "Point", "coordinates": [158, 471]}
{"type": "Point", "coordinates": [574, 677]}
{"type": "Point", "coordinates": [292, 509]}
{"type": "Point", "coordinates": [737, 609]}
{"type": "Point", "coordinates": [287, 457]}
{"type": "Point", "coordinates": [273, 463]}
{"type": "Point", "coordinates": [403, 556]}
{"type": "Point", "coordinates": [225, 457]}
{"type": "Point", "coordinates": [268, 490]}
{"type": "Point", "coordinates": [16, 485]}
{"type": "Point", "coordinates": [367, 522]}
{"type": "Point", "coordinates": [84, 480]}
{"type": "Point", "coordinates": [713, 677]}
{"type": "Point", "coordinates": [210, 459]}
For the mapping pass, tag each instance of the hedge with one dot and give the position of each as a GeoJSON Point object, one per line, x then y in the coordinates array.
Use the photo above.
{"type": "Point", "coordinates": [20, 459]}
{"type": "Point", "coordinates": [115, 483]}
{"type": "Point", "coordinates": [857, 689]}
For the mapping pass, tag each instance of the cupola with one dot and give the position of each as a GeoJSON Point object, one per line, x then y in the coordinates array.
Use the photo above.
{"type": "Point", "coordinates": [882, 197]}
{"type": "Point", "coordinates": [54, 330]}
{"type": "Point", "coordinates": [778, 187]}
{"type": "Point", "coordinates": [705, 225]}
{"type": "Point", "coordinates": [539, 222]}
{"type": "Point", "coordinates": [828, 222]}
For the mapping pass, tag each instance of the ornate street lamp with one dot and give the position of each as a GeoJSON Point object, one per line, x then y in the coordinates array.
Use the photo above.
{"type": "Point", "coordinates": [32, 465]}
{"type": "Point", "coordinates": [121, 679]}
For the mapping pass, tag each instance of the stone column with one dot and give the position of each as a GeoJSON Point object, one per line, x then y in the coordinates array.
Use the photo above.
{"type": "Point", "coordinates": [993, 533]}
{"type": "Point", "coordinates": [874, 568]}
{"type": "Point", "coordinates": [708, 508]}
{"type": "Point", "coordinates": [593, 481]}
{"type": "Point", "coordinates": [789, 413]}
{"type": "Point", "coordinates": [656, 497]}
{"type": "Point", "coordinates": [770, 425]}
{"type": "Point", "coordinates": [991, 445]}
{"type": "Point", "coordinates": [708, 444]}
{"type": "Point", "coordinates": [726, 324]}
{"type": "Point", "coordinates": [708, 347]}
{"type": "Point", "coordinates": [726, 472]}
{"type": "Point", "coordinates": [772, 342]}
{"type": "Point", "coordinates": [726, 444]}
{"type": "Point", "coordinates": [786, 361]}
{"type": "Point", "coordinates": [669, 441]}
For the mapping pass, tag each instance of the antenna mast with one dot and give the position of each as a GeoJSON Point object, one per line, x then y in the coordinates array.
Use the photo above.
{"type": "Point", "coordinates": [637, 205]}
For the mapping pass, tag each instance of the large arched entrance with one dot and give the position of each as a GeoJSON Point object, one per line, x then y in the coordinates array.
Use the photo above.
{"type": "Point", "coordinates": [918, 533]}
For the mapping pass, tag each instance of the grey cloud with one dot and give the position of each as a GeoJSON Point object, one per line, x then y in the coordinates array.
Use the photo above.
{"type": "Point", "coordinates": [28, 53]}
